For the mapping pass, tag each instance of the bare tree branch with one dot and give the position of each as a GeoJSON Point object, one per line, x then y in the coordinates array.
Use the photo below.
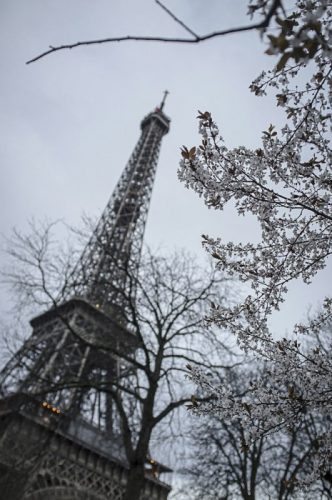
{"type": "Point", "coordinates": [176, 19]}
{"type": "Point", "coordinates": [276, 4]}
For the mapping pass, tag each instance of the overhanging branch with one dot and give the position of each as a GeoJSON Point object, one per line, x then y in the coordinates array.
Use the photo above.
{"type": "Point", "coordinates": [276, 4]}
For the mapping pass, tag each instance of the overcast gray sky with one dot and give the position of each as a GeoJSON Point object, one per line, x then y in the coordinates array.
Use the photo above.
{"type": "Point", "coordinates": [71, 120]}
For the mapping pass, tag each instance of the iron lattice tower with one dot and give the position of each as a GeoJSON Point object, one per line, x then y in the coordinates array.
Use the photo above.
{"type": "Point", "coordinates": [54, 397]}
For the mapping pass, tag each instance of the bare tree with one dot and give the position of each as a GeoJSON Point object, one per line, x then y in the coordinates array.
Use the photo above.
{"type": "Point", "coordinates": [143, 383]}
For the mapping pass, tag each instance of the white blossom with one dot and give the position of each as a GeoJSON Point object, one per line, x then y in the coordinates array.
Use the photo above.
{"type": "Point", "coordinates": [286, 183]}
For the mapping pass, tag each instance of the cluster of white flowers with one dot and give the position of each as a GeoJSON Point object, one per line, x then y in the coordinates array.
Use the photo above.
{"type": "Point", "coordinates": [287, 185]}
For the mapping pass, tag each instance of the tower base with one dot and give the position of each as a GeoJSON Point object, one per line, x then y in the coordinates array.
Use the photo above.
{"type": "Point", "coordinates": [50, 457]}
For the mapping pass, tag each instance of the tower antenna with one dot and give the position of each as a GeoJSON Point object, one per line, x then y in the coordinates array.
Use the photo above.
{"type": "Point", "coordinates": [164, 99]}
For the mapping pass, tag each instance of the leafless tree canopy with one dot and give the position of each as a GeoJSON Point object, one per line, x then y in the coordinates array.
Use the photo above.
{"type": "Point", "coordinates": [144, 384]}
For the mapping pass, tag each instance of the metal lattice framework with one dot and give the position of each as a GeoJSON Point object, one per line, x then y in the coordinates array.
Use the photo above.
{"type": "Point", "coordinates": [114, 250]}
{"type": "Point", "coordinates": [78, 348]}
{"type": "Point", "coordinates": [45, 459]}
{"type": "Point", "coordinates": [71, 359]}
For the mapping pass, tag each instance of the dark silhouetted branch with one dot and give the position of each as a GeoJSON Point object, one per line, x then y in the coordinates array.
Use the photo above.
{"type": "Point", "coordinates": [196, 39]}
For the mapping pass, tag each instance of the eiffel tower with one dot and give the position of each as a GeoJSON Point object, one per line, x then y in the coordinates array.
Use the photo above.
{"type": "Point", "coordinates": [63, 440]}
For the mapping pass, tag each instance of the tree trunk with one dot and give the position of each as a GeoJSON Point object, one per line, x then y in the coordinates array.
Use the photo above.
{"type": "Point", "coordinates": [135, 482]}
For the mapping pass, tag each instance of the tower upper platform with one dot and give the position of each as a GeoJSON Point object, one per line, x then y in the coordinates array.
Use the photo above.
{"type": "Point", "coordinates": [159, 117]}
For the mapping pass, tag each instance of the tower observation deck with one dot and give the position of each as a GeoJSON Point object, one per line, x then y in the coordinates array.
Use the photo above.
{"type": "Point", "coordinates": [60, 436]}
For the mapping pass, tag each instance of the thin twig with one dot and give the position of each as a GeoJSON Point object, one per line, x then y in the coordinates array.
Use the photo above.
{"type": "Point", "coordinates": [197, 39]}
{"type": "Point", "coordinates": [176, 19]}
